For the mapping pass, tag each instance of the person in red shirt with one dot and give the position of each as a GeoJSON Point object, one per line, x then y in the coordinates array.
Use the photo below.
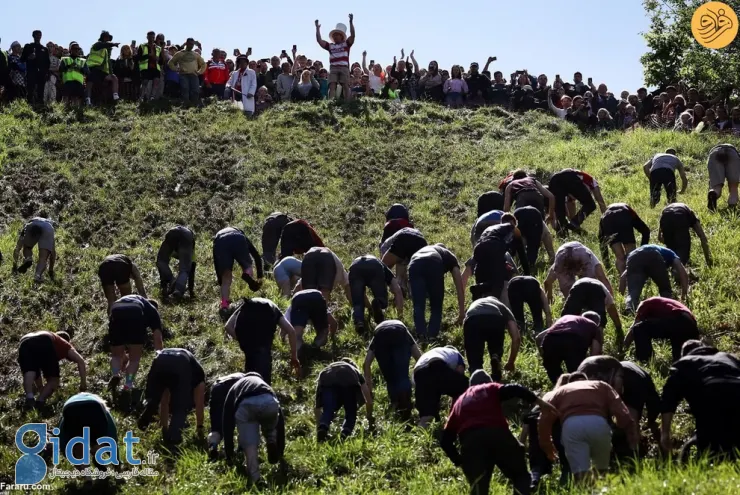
{"type": "Point", "coordinates": [216, 75]}
{"type": "Point", "coordinates": [478, 420]}
{"type": "Point", "coordinates": [661, 318]}
{"type": "Point", "coordinates": [39, 353]}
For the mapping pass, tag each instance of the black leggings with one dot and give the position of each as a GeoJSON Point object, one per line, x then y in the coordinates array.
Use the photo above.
{"type": "Point", "coordinates": [677, 329]}
{"type": "Point", "coordinates": [531, 226]}
{"type": "Point", "coordinates": [562, 348]}
{"type": "Point", "coordinates": [659, 178]}
{"type": "Point", "coordinates": [480, 330]}
{"type": "Point", "coordinates": [526, 290]}
{"type": "Point", "coordinates": [567, 184]}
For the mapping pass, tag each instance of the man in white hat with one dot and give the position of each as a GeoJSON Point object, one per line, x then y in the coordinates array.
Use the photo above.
{"type": "Point", "coordinates": [338, 56]}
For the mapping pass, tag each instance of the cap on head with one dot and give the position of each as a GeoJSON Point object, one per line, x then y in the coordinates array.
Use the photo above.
{"type": "Point", "coordinates": [105, 35]}
{"type": "Point", "coordinates": [480, 377]}
{"type": "Point", "coordinates": [593, 316]}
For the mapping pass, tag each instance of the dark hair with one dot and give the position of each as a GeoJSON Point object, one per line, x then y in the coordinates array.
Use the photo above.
{"type": "Point", "coordinates": [577, 74]}
{"type": "Point", "coordinates": [64, 335]}
{"type": "Point", "coordinates": [154, 303]}
{"type": "Point", "coordinates": [519, 174]}
{"type": "Point", "coordinates": [152, 33]}
{"type": "Point", "coordinates": [498, 72]}
{"type": "Point", "coordinates": [644, 90]}
{"type": "Point", "coordinates": [671, 88]}
{"type": "Point", "coordinates": [489, 201]}
{"type": "Point", "coordinates": [36, 31]}
{"type": "Point", "coordinates": [104, 34]}
{"type": "Point", "coordinates": [690, 345]}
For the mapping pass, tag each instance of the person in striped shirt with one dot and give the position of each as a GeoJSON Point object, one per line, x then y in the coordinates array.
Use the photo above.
{"type": "Point", "coordinates": [338, 49]}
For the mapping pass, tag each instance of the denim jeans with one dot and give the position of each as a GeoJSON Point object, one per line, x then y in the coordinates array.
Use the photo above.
{"type": "Point", "coordinates": [426, 278]}
{"type": "Point", "coordinates": [190, 88]}
{"type": "Point", "coordinates": [394, 366]}
{"type": "Point", "coordinates": [366, 273]}
{"type": "Point", "coordinates": [335, 398]}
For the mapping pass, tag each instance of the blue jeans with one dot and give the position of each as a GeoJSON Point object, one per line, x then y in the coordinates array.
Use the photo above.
{"type": "Point", "coordinates": [190, 88]}
{"type": "Point", "coordinates": [394, 366]}
{"type": "Point", "coordinates": [335, 398]}
{"type": "Point", "coordinates": [426, 278]}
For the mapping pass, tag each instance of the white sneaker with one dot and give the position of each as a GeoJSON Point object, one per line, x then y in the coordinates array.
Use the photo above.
{"type": "Point", "coordinates": [115, 97]}
{"type": "Point", "coordinates": [88, 102]}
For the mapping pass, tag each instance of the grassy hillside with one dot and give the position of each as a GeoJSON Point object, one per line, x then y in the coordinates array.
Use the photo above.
{"type": "Point", "coordinates": [116, 183]}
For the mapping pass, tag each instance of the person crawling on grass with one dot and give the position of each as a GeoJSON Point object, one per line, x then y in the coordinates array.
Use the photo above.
{"type": "Point", "coordinates": [341, 386]}
{"type": "Point", "coordinates": [229, 245]}
{"type": "Point", "coordinates": [724, 166]}
{"type": "Point", "coordinates": [676, 222]}
{"type": "Point", "coordinates": [297, 237]}
{"type": "Point", "coordinates": [39, 354]}
{"type": "Point", "coordinates": [179, 242]}
{"type": "Point", "coordinates": [307, 306]}
{"type": "Point", "coordinates": [175, 382]}
{"type": "Point", "coordinates": [116, 272]}
{"type": "Point", "coordinates": [321, 269]}
{"type": "Point", "coordinates": [38, 231]}
{"type": "Point", "coordinates": [128, 320]}
{"type": "Point", "coordinates": [368, 272]}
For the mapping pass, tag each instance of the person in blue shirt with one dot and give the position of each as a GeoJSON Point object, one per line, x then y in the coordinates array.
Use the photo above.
{"type": "Point", "coordinates": [651, 262]}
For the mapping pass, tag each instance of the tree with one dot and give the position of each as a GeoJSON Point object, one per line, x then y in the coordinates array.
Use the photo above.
{"type": "Point", "coordinates": [675, 57]}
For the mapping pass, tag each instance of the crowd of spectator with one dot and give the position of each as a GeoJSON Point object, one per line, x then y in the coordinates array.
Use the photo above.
{"type": "Point", "coordinates": [157, 69]}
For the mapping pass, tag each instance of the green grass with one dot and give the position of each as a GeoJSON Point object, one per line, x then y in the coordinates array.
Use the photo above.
{"type": "Point", "coordinates": [116, 183]}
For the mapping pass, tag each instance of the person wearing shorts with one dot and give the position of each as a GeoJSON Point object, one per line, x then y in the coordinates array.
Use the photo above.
{"type": "Point", "coordinates": [651, 262]}
{"type": "Point", "coordinates": [341, 386]}
{"type": "Point", "coordinates": [298, 237]}
{"type": "Point", "coordinates": [287, 272]}
{"type": "Point", "coordinates": [250, 406]}
{"type": "Point", "coordinates": [427, 269]}
{"type": "Point", "coordinates": [253, 325]}
{"type": "Point", "coordinates": [439, 371]}
{"type": "Point", "coordinates": [393, 347]}
{"type": "Point", "coordinates": [39, 354]}
{"type": "Point", "coordinates": [36, 232]}
{"type": "Point", "coordinates": [616, 230]}
{"type": "Point", "coordinates": [487, 320]}
{"type": "Point", "coordinates": [723, 165]}
{"type": "Point", "coordinates": [368, 272]}
{"type": "Point", "coordinates": [231, 245]}
{"type": "Point", "coordinates": [179, 243]}
{"type": "Point", "coordinates": [585, 407]}
{"type": "Point", "coordinates": [588, 294]}
{"type": "Point", "coordinates": [527, 191]}
{"type": "Point", "coordinates": [116, 272]}
{"type": "Point", "coordinates": [569, 340]}
{"type": "Point", "coordinates": [306, 306]}
{"type": "Point", "coordinates": [271, 232]}
{"type": "Point", "coordinates": [664, 319]}
{"type": "Point", "coordinates": [580, 186]}
{"type": "Point", "coordinates": [85, 410]}
{"type": "Point", "coordinates": [527, 290]}
{"type": "Point", "coordinates": [128, 320]}
{"type": "Point", "coordinates": [661, 171]}
{"type": "Point", "coordinates": [339, 49]}
{"type": "Point", "coordinates": [323, 270]}
{"type": "Point", "coordinates": [572, 260]}
{"type": "Point", "coordinates": [176, 381]}
{"type": "Point", "coordinates": [676, 221]}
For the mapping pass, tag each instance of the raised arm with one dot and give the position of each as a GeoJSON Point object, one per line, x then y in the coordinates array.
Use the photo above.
{"type": "Point", "coordinates": [323, 44]}
{"type": "Point", "coordinates": [351, 39]}
{"type": "Point", "coordinates": [364, 63]}
{"type": "Point", "coordinates": [488, 63]}
{"type": "Point", "coordinates": [416, 64]}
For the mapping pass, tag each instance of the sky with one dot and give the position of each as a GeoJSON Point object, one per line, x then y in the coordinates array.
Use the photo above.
{"type": "Point", "coordinates": [602, 39]}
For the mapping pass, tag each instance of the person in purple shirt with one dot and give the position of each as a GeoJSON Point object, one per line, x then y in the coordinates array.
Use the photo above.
{"type": "Point", "coordinates": [569, 341]}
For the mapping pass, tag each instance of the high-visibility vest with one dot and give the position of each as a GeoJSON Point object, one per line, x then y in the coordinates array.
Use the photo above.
{"type": "Point", "coordinates": [144, 62]}
{"type": "Point", "coordinates": [73, 72]}
{"type": "Point", "coordinates": [99, 58]}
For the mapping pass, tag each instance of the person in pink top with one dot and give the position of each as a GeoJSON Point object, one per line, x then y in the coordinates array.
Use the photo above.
{"type": "Point", "coordinates": [455, 88]}
{"type": "Point", "coordinates": [338, 49]}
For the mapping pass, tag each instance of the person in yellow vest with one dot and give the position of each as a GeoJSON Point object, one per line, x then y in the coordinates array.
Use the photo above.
{"type": "Point", "coordinates": [150, 59]}
{"type": "Point", "coordinates": [98, 61]}
{"type": "Point", "coordinates": [73, 70]}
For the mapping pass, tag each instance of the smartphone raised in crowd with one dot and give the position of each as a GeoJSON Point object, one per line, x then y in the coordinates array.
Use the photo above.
{"type": "Point", "coordinates": [236, 52]}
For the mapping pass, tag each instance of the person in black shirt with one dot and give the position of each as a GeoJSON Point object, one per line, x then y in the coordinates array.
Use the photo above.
{"type": "Point", "coordinates": [175, 382]}
{"type": "Point", "coordinates": [307, 306]}
{"type": "Point", "coordinates": [231, 245]}
{"type": "Point", "coordinates": [616, 230]}
{"type": "Point", "coordinates": [297, 237]}
{"type": "Point", "coordinates": [250, 406]}
{"type": "Point", "coordinates": [341, 385]}
{"type": "Point", "coordinates": [527, 290]}
{"type": "Point", "coordinates": [479, 85]}
{"type": "Point", "coordinates": [676, 221]}
{"type": "Point", "coordinates": [128, 320]}
{"type": "Point", "coordinates": [179, 242]}
{"type": "Point", "coordinates": [393, 347]}
{"type": "Point", "coordinates": [709, 380]}
{"type": "Point", "coordinates": [116, 271]}
{"type": "Point", "coordinates": [369, 272]}
{"type": "Point", "coordinates": [36, 57]}
{"type": "Point", "coordinates": [216, 401]}
{"type": "Point", "coordinates": [426, 278]}
{"type": "Point", "coordinates": [253, 325]}
{"type": "Point", "coordinates": [271, 232]}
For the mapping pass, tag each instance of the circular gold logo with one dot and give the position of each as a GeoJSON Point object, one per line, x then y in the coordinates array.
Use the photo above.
{"type": "Point", "coordinates": [714, 25]}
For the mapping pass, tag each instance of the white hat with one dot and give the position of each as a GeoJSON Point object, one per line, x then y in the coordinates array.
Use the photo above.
{"type": "Point", "coordinates": [341, 28]}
